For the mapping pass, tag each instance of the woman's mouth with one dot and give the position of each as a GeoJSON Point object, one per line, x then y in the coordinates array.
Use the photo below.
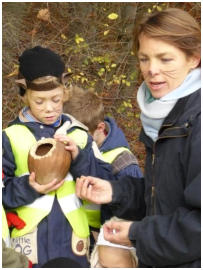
{"type": "Point", "coordinates": [156, 85]}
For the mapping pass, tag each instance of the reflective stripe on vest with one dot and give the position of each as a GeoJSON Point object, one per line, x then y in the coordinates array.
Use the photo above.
{"type": "Point", "coordinates": [5, 229]}
{"type": "Point", "coordinates": [93, 214]}
{"type": "Point", "coordinates": [111, 155]}
{"type": "Point", "coordinates": [72, 207]}
{"type": "Point", "coordinates": [33, 213]}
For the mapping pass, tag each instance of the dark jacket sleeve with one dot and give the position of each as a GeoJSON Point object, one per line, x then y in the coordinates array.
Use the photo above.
{"type": "Point", "coordinates": [175, 238]}
{"type": "Point", "coordinates": [87, 164]}
{"type": "Point", "coordinates": [128, 198]}
{"type": "Point", "coordinates": [16, 191]}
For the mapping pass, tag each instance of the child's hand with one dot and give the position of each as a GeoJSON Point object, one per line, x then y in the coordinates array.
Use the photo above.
{"type": "Point", "coordinates": [44, 189]}
{"type": "Point", "coordinates": [70, 145]}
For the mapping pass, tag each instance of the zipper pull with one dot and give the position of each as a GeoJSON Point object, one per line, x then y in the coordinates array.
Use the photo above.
{"type": "Point", "coordinates": [153, 157]}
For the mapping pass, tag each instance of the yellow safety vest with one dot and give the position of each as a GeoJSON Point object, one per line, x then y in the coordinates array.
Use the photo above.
{"type": "Point", "coordinates": [93, 210]}
{"type": "Point", "coordinates": [5, 229]}
{"type": "Point", "coordinates": [21, 140]}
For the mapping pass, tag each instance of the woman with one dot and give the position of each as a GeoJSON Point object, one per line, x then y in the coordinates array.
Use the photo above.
{"type": "Point", "coordinates": [168, 48]}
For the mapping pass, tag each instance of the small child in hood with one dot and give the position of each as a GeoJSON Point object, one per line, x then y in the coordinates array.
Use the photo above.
{"type": "Point", "coordinates": [109, 255]}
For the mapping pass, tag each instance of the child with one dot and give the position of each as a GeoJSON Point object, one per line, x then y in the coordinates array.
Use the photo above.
{"type": "Point", "coordinates": [87, 107]}
{"type": "Point", "coordinates": [56, 225]}
{"type": "Point", "coordinates": [108, 255]}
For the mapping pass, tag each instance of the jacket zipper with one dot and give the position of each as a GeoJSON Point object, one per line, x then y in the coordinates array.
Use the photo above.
{"type": "Point", "coordinates": [153, 184]}
{"type": "Point", "coordinates": [153, 208]}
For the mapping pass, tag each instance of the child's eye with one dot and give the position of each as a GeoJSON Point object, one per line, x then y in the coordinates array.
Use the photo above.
{"type": "Point", "coordinates": [38, 102]}
{"type": "Point", "coordinates": [56, 100]}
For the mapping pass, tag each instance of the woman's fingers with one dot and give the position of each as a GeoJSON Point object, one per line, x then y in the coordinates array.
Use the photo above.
{"type": "Point", "coordinates": [79, 184]}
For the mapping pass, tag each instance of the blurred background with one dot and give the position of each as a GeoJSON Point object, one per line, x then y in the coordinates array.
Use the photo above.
{"type": "Point", "coordinates": [95, 41]}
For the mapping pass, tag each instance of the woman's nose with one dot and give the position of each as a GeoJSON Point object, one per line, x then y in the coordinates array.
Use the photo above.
{"type": "Point", "coordinates": [153, 68]}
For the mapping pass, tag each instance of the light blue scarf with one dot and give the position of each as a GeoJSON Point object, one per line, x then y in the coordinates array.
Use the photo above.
{"type": "Point", "coordinates": [154, 111]}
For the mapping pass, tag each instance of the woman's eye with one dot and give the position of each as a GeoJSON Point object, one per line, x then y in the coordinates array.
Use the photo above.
{"type": "Point", "coordinates": [166, 59]}
{"type": "Point", "coordinates": [143, 59]}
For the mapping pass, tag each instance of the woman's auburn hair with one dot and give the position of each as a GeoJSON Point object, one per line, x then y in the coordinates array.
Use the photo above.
{"type": "Point", "coordinates": [174, 26]}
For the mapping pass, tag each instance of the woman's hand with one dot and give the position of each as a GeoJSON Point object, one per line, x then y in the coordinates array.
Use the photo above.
{"type": "Point", "coordinates": [117, 232]}
{"type": "Point", "coordinates": [94, 189]}
{"type": "Point", "coordinates": [70, 145]}
{"type": "Point", "coordinates": [44, 189]}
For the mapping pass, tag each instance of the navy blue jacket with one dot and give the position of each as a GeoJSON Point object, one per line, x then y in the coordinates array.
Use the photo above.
{"type": "Point", "coordinates": [170, 234]}
{"type": "Point", "coordinates": [114, 139]}
{"type": "Point", "coordinates": [54, 231]}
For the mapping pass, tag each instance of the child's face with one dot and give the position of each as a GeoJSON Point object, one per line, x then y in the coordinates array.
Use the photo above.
{"type": "Point", "coordinates": [45, 106]}
{"type": "Point", "coordinates": [99, 134]}
{"type": "Point", "coordinates": [113, 257]}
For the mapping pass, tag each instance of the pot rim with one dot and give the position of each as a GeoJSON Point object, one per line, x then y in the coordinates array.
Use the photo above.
{"type": "Point", "coordinates": [41, 142]}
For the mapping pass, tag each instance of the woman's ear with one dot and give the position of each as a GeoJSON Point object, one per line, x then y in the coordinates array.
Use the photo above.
{"type": "Point", "coordinates": [195, 61]}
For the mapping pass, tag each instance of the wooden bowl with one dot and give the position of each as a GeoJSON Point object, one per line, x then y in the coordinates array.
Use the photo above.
{"type": "Point", "coordinates": [49, 160]}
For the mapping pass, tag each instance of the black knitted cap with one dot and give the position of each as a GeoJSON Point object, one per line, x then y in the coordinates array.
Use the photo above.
{"type": "Point", "coordinates": [38, 62]}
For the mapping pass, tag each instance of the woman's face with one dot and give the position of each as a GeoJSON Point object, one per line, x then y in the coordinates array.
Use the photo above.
{"type": "Point", "coordinates": [164, 66]}
{"type": "Point", "coordinates": [45, 106]}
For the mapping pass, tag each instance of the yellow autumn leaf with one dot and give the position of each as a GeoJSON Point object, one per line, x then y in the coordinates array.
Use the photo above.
{"type": "Point", "coordinates": [113, 16]}
{"type": "Point", "coordinates": [113, 65]}
{"type": "Point", "coordinates": [127, 83]}
{"type": "Point", "coordinates": [106, 32]}
{"type": "Point", "coordinates": [83, 79]}
{"type": "Point", "coordinates": [159, 8]}
{"type": "Point", "coordinates": [149, 10]}
{"type": "Point", "coordinates": [63, 36]}
{"type": "Point", "coordinates": [69, 70]}
{"type": "Point", "coordinates": [14, 72]}
{"type": "Point", "coordinates": [78, 39]}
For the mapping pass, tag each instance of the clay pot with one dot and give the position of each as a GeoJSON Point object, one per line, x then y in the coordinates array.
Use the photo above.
{"type": "Point", "coordinates": [49, 160]}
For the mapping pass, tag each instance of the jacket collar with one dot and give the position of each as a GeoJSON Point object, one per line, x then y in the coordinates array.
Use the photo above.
{"type": "Point", "coordinates": [191, 102]}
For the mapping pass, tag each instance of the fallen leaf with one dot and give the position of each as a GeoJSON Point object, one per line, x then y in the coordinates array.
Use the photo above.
{"type": "Point", "coordinates": [44, 15]}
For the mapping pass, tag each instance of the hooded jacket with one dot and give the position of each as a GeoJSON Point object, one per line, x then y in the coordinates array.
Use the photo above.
{"type": "Point", "coordinates": [114, 139]}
